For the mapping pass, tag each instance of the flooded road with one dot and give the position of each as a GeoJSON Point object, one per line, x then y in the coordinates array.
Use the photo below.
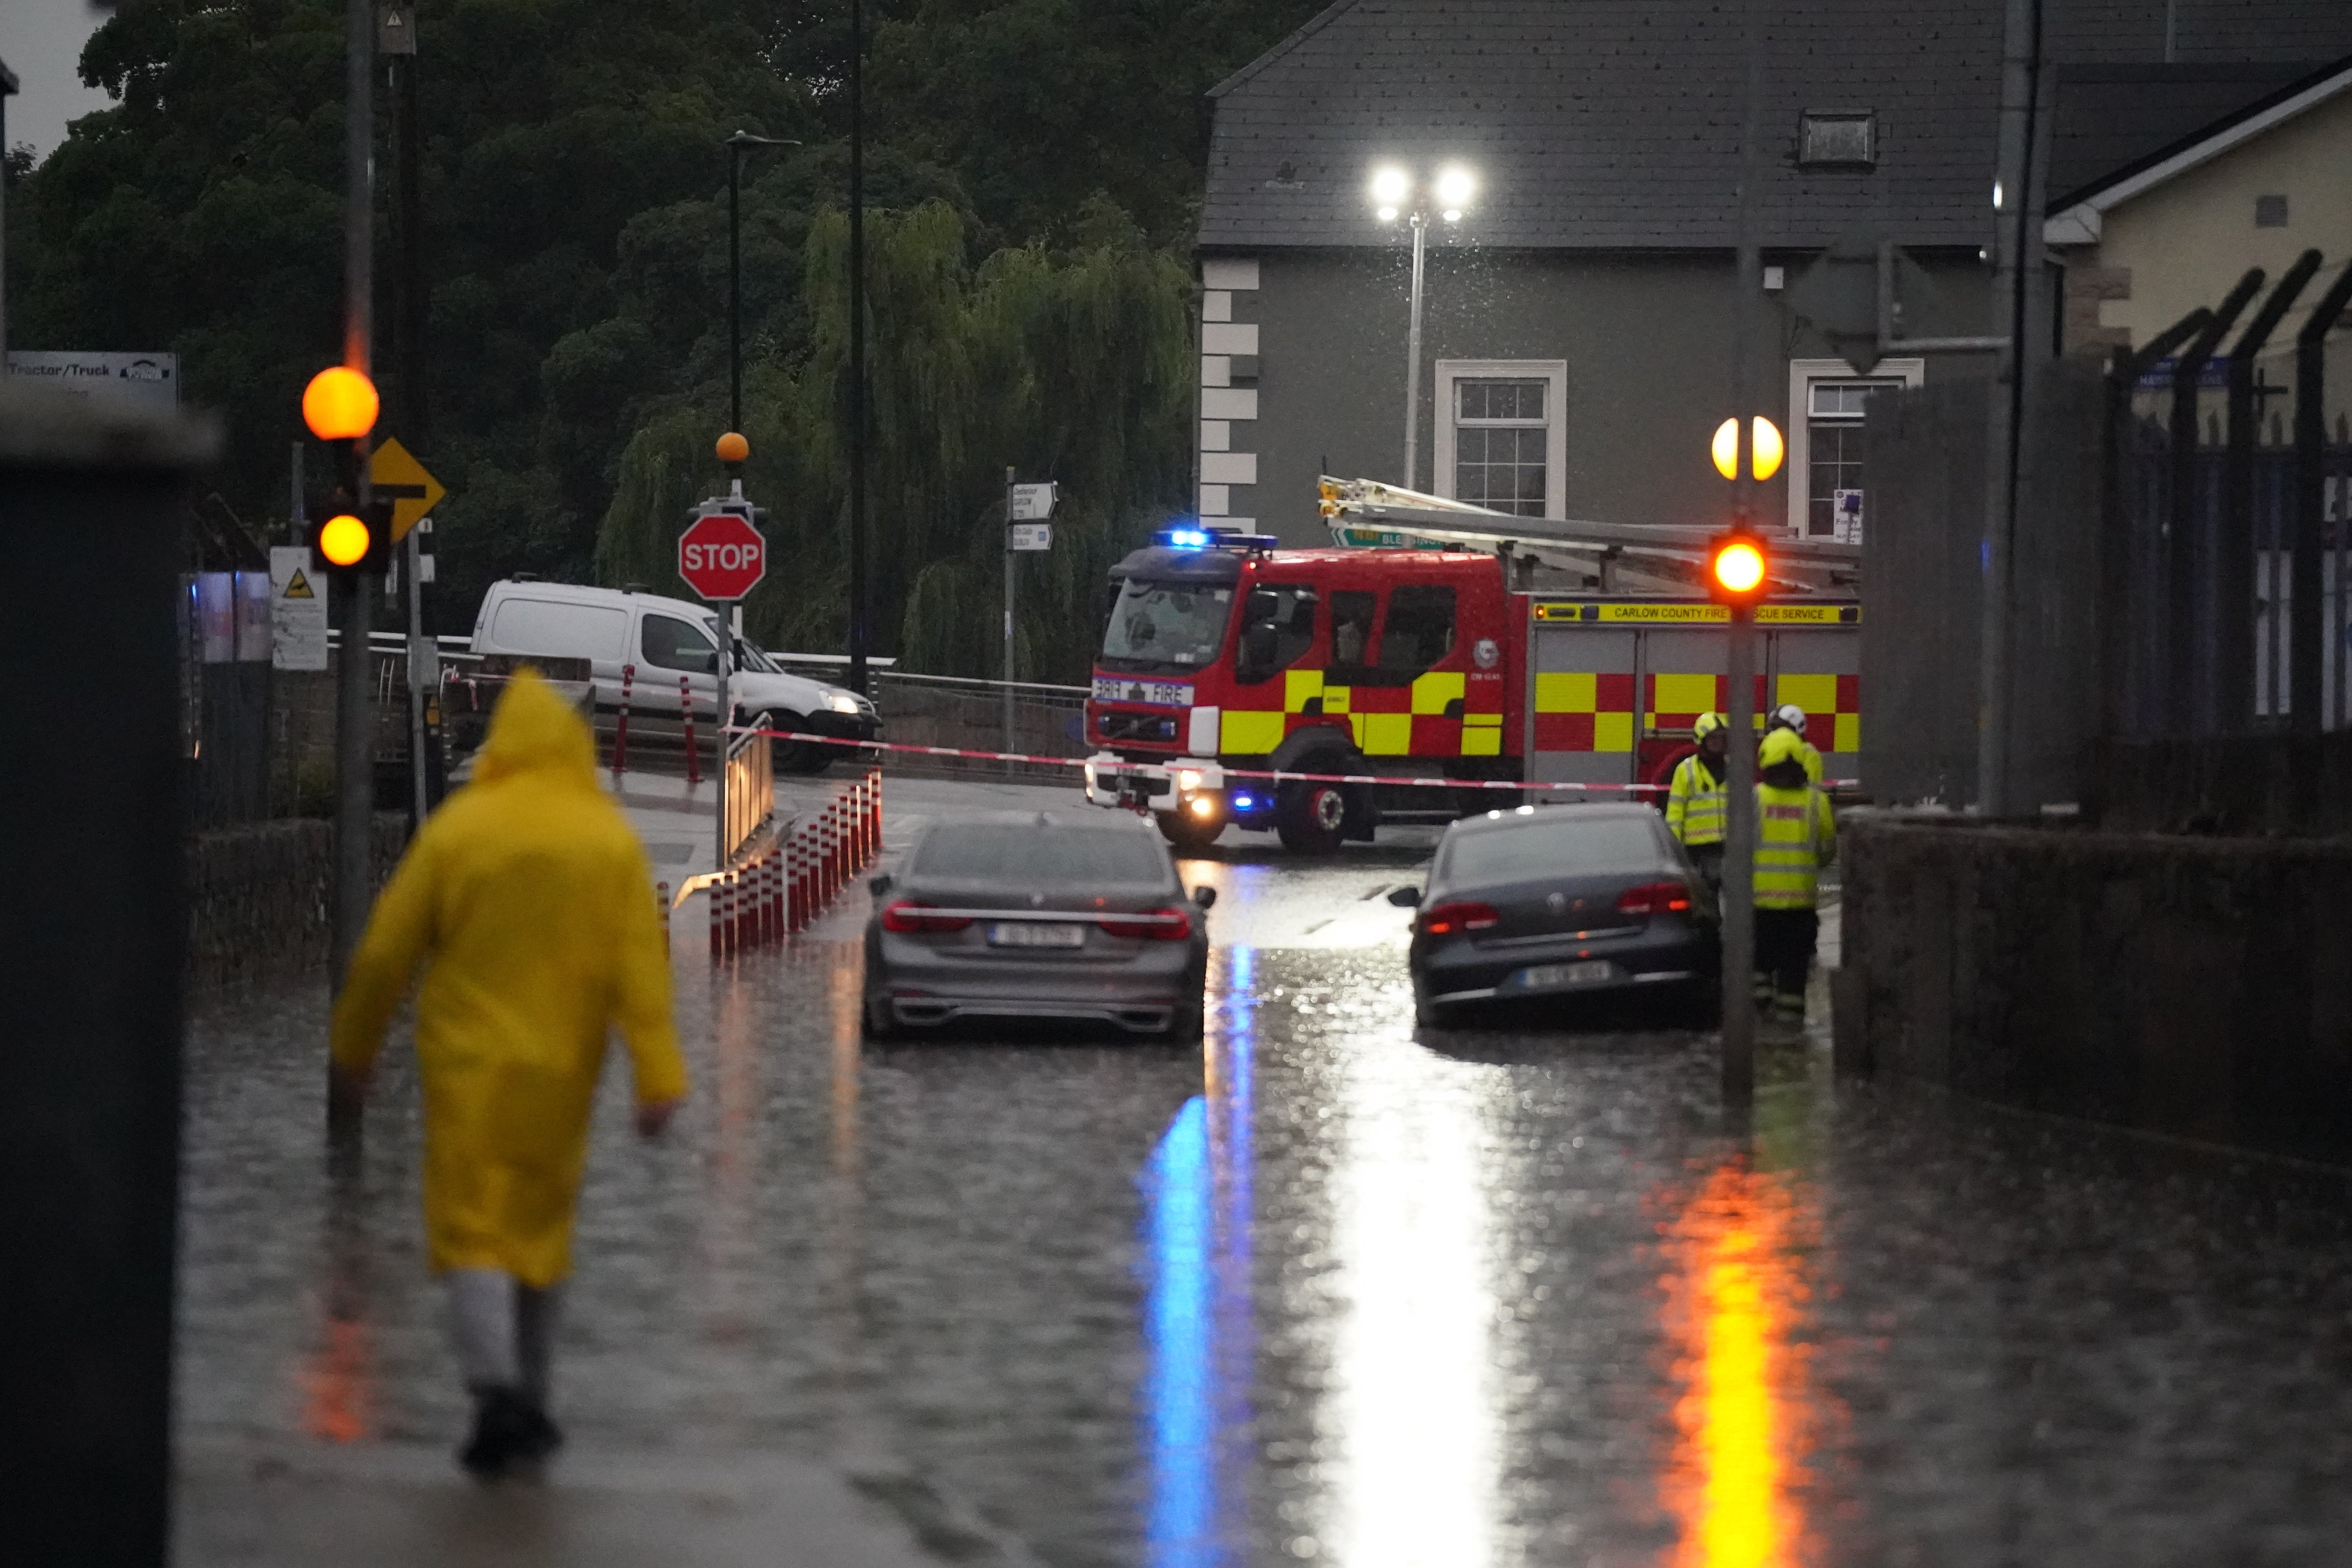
{"type": "Point", "coordinates": [1329, 1289]}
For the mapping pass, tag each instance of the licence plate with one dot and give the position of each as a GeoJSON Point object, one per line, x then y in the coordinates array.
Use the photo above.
{"type": "Point", "coordinates": [1029, 933]}
{"type": "Point", "coordinates": [1549, 976]}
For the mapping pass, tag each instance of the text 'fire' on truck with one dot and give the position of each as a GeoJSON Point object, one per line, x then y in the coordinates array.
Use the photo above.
{"type": "Point", "coordinates": [1420, 648]}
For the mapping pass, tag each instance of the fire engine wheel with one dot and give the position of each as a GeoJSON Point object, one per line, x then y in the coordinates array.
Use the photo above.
{"type": "Point", "coordinates": [1187, 834]}
{"type": "Point", "coordinates": [1309, 816]}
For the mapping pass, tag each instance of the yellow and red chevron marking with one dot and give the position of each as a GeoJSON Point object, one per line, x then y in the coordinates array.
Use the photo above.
{"type": "Point", "coordinates": [1584, 711]}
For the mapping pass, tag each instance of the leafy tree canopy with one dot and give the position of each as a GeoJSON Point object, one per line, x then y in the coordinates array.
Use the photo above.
{"type": "Point", "coordinates": [1033, 167]}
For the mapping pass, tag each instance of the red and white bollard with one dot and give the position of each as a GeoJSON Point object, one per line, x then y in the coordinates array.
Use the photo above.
{"type": "Point", "coordinates": [686, 711]}
{"type": "Point", "coordinates": [714, 895]}
{"type": "Point", "coordinates": [661, 909]}
{"type": "Point", "coordinates": [771, 895]}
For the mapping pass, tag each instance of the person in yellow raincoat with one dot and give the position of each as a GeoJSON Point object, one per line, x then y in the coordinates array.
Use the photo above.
{"type": "Point", "coordinates": [528, 901]}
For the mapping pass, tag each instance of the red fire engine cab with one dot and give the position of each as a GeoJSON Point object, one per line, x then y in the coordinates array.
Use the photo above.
{"type": "Point", "coordinates": [1226, 657]}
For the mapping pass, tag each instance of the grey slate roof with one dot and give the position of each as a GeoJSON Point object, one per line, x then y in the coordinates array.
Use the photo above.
{"type": "Point", "coordinates": [1615, 123]}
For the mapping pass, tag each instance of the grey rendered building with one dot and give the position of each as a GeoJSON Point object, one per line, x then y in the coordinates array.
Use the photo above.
{"type": "Point", "coordinates": [1576, 347]}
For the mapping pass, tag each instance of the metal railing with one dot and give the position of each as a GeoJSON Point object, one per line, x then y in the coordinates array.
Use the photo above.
{"type": "Point", "coordinates": [750, 789]}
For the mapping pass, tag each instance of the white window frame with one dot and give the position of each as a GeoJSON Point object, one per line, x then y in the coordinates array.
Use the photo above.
{"type": "Point", "coordinates": [1553, 371]}
{"type": "Point", "coordinates": [1799, 417]}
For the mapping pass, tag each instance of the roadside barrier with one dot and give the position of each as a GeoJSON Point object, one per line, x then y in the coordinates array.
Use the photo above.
{"type": "Point", "coordinates": [779, 891]}
{"type": "Point", "coordinates": [1284, 776]}
{"type": "Point", "coordinates": [621, 724]}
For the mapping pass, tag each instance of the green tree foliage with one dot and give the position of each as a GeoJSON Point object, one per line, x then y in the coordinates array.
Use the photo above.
{"type": "Point", "coordinates": [1070, 364]}
{"type": "Point", "coordinates": [1033, 163]}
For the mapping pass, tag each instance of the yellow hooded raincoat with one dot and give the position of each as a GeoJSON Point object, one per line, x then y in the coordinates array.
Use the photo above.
{"type": "Point", "coordinates": [529, 901]}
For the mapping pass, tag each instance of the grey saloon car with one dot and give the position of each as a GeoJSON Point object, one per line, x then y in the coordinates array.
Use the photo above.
{"type": "Point", "coordinates": [1541, 906]}
{"type": "Point", "coordinates": [1037, 915]}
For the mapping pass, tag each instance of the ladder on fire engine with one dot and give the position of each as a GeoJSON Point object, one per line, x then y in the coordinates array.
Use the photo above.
{"type": "Point", "coordinates": [1369, 514]}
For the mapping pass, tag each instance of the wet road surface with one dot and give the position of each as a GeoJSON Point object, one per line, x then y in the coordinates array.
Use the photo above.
{"type": "Point", "coordinates": [1327, 1289]}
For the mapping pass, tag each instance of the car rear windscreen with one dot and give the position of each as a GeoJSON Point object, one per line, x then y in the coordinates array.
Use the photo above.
{"type": "Point", "coordinates": [1024, 856]}
{"type": "Point", "coordinates": [1555, 844]}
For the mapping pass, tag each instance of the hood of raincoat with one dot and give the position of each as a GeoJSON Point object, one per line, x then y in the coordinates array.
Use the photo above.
{"type": "Point", "coordinates": [535, 731]}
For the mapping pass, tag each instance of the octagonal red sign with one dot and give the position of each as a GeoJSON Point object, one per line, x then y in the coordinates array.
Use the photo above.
{"type": "Point", "coordinates": [722, 556]}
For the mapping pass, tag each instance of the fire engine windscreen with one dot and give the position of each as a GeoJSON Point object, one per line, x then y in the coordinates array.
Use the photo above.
{"type": "Point", "coordinates": [1166, 627]}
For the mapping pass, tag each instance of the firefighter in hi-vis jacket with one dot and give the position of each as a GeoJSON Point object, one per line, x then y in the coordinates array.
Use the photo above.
{"type": "Point", "coordinates": [1795, 837]}
{"type": "Point", "coordinates": [1695, 800]}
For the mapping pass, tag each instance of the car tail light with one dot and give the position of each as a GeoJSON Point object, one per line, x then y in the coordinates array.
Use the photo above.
{"type": "Point", "coordinates": [1444, 920]}
{"type": "Point", "coordinates": [1168, 924]}
{"type": "Point", "coordinates": [1654, 899]}
{"type": "Point", "coordinates": [908, 919]}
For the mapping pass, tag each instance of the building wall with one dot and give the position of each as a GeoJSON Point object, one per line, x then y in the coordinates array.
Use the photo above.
{"type": "Point", "coordinates": [1646, 341]}
{"type": "Point", "coordinates": [2185, 242]}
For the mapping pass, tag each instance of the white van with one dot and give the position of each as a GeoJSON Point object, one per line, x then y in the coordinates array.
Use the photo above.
{"type": "Point", "coordinates": [660, 641]}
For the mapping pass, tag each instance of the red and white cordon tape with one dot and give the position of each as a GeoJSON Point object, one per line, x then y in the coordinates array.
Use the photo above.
{"type": "Point", "coordinates": [1284, 776]}
{"type": "Point", "coordinates": [780, 890]}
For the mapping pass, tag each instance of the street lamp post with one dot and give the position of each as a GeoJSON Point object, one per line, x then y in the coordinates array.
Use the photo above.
{"type": "Point", "coordinates": [1396, 194]}
{"type": "Point", "coordinates": [737, 145]}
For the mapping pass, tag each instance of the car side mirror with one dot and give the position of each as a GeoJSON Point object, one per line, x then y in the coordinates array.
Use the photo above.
{"type": "Point", "coordinates": [1405, 897]}
{"type": "Point", "coordinates": [1204, 897]}
{"type": "Point", "coordinates": [880, 883]}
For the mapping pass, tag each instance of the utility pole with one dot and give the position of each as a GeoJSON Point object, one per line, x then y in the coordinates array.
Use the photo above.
{"type": "Point", "coordinates": [1412, 356]}
{"type": "Point", "coordinates": [1011, 560]}
{"type": "Point", "coordinates": [354, 713]}
{"type": "Point", "coordinates": [857, 347]}
{"type": "Point", "coordinates": [1739, 826]}
{"type": "Point", "coordinates": [2012, 214]}
{"type": "Point", "coordinates": [396, 40]}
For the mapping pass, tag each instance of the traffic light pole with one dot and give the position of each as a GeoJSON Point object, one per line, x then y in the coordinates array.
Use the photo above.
{"type": "Point", "coordinates": [1739, 824]}
{"type": "Point", "coordinates": [354, 768]}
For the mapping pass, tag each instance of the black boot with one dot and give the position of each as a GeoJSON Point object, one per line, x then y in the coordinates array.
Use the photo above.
{"type": "Point", "coordinates": [502, 1434]}
{"type": "Point", "coordinates": [540, 1436]}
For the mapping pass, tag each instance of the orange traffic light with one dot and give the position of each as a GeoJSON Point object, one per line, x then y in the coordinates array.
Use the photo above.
{"type": "Point", "coordinates": [340, 404]}
{"type": "Point", "coordinates": [343, 540]}
{"type": "Point", "coordinates": [1735, 569]}
{"type": "Point", "coordinates": [1765, 449]}
{"type": "Point", "coordinates": [733, 448]}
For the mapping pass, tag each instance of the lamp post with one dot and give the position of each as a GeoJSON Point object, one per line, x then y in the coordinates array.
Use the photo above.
{"type": "Point", "coordinates": [1395, 193]}
{"type": "Point", "coordinates": [737, 145]}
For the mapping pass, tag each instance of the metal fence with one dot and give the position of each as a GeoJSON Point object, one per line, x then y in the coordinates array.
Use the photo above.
{"type": "Point", "coordinates": [2225, 607]}
{"type": "Point", "coordinates": [750, 789]}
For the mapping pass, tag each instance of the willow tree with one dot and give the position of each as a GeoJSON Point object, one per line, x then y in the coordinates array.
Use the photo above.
{"type": "Point", "coordinates": [1070, 364]}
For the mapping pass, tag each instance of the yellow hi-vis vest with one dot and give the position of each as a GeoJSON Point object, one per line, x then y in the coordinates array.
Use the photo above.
{"type": "Point", "coordinates": [1795, 837]}
{"type": "Point", "coordinates": [1695, 811]}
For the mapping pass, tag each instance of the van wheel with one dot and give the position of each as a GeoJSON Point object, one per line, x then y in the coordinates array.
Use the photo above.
{"type": "Point", "coordinates": [797, 757]}
{"type": "Point", "coordinates": [1311, 818]}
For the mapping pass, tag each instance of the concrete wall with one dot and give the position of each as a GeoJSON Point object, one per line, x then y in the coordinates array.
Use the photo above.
{"type": "Point", "coordinates": [257, 896]}
{"type": "Point", "coordinates": [2191, 986]}
{"type": "Point", "coordinates": [1646, 339]}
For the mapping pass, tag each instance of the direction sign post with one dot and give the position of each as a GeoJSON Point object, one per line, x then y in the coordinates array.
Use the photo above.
{"type": "Point", "coordinates": [722, 556]}
{"type": "Point", "coordinates": [392, 472]}
{"type": "Point", "coordinates": [1026, 507]}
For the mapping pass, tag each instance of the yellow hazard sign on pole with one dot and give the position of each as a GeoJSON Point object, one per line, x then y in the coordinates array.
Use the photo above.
{"type": "Point", "coordinates": [401, 479]}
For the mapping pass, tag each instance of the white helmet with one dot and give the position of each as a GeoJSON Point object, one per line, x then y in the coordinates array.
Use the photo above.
{"type": "Point", "coordinates": [1791, 715]}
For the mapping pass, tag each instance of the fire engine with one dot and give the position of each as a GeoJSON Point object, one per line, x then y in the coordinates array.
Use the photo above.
{"type": "Point", "coordinates": [1410, 651]}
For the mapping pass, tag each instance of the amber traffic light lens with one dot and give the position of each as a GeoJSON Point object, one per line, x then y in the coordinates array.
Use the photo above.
{"type": "Point", "coordinates": [340, 404]}
{"type": "Point", "coordinates": [1765, 447]}
{"type": "Point", "coordinates": [733, 448]}
{"type": "Point", "coordinates": [343, 540]}
{"type": "Point", "coordinates": [1739, 567]}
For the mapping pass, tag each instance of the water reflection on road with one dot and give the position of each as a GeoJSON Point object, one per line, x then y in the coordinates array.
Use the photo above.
{"type": "Point", "coordinates": [1332, 1289]}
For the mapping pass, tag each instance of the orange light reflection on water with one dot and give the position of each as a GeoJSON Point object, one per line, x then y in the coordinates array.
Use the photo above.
{"type": "Point", "coordinates": [1738, 1477]}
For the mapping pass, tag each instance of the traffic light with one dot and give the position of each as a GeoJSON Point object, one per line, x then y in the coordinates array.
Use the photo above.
{"type": "Point", "coordinates": [347, 537]}
{"type": "Point", "coordinates": [1736, 569]}
{"type": "Point", "coordinates": [1765, 449]}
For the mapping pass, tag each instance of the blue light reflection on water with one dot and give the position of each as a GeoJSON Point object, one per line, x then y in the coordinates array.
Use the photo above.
{"type": "Point", "coordinates": [1199, 1338]}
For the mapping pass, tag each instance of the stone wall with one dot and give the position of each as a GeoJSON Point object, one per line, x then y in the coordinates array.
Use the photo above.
{"type": "Point", "coordinates": [2237, 785]}
{"type": "Point", "coordinates": [257, 896]}
{"type": "Point", "coordinates": [2197, 986]}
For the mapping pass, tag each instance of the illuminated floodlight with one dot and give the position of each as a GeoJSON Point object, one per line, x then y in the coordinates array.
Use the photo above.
{"type": "Point", "coordinates": [1388, 215]}
{"type": "Point", "coordinates": [1454, 187]}
{"type": "Point", "coordinates": [1391, 185]}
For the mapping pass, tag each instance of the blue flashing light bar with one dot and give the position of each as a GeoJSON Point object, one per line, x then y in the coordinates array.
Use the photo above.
{"type": "Point", "coordinates": [1206, 537]}
{"type": "Point", "coordinates": [1185, 538]}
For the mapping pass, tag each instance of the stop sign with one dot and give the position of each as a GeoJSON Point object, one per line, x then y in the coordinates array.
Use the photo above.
{"type": "Point", "coordinates": [721, 556]}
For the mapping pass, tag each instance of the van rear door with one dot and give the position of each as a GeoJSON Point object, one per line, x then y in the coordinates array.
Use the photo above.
{"type": "Point", "coordinates": [554, 628]}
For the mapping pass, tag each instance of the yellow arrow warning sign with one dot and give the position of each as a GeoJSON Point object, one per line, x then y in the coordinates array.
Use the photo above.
{"type": "Point", "coordinates": [298, 587]}
{"type": "Point", "coordinates": [401, 479]}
